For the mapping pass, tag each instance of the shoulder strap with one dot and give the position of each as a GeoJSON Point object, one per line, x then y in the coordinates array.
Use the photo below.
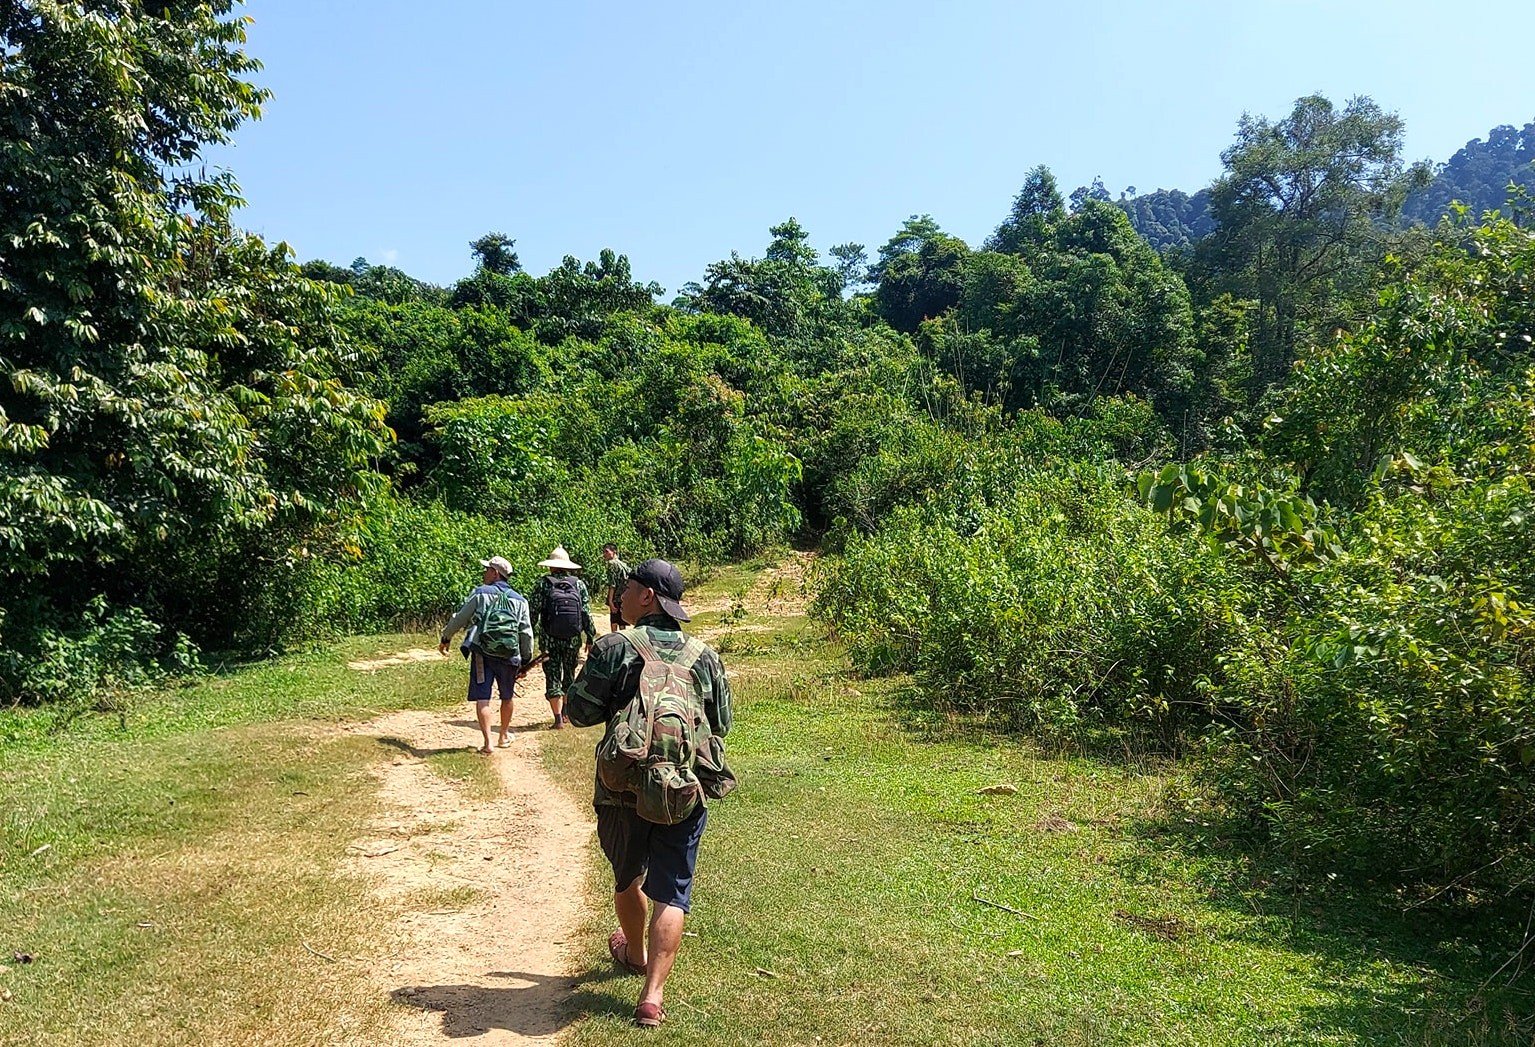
{"type": "Point", "coordinates": [640, 642]}
{"type": "Point", "coordinates": [692, 650]}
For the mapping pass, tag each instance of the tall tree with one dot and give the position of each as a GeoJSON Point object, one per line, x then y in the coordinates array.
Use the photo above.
{"type": "Point", "coordinates": [495, 254]}
{"type": "Point", "coordinates": [172, 383]}
{"type": "Point", "coordinates": [787, 293]}
{"type": "Point", "coordinates": [1301, 212]}
{"type": "Point", "coordinates": [1036, 210]}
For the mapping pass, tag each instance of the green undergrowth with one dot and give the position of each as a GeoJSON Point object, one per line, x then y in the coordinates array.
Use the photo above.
{"type": "Point", "coordinates": [862, 887]}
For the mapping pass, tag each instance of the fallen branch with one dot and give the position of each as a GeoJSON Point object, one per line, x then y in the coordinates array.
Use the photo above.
{"type": "Point", "coordinates": [1004, 908]}
{"type": "Point", "coordinates": [316, 952]}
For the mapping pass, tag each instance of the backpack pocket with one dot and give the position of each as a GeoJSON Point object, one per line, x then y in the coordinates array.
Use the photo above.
{"type": "Point", "coordinates": [619, 755]}
{"type": "Point", "coordinates": [714, 774]}
{"type": "Point", "coordinates": [667, 794]}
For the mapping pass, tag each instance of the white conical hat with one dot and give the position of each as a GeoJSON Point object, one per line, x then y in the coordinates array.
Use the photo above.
{"type": "Point", "coordinates": [560, 558]}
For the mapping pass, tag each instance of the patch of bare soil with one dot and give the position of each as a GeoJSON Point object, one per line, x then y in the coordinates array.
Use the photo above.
{"type": "Point", "coordinates": [488, 893]}
{"type": "Point", "coordinates": [780, 591]}
{"type": "Point", "coordinates": [415, 654]}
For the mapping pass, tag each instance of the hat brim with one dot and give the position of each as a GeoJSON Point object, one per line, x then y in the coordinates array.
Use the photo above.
{"type": "Point", "coordinates": [672, 607]}
{"type": "Point", "coordinates": [569, 565]}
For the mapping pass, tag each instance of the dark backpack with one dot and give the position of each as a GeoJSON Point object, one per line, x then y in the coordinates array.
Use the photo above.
{"type": "Point", "coordinates": [562, 608]}
{"type": "Point", "coordinates": [499, 632]}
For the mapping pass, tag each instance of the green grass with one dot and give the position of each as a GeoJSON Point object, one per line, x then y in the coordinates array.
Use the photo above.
{"type": "Point", "coordinates": [471, 772]}
{"type": "Point", "coordinates": [842, 898]}
{"type": "Point", "coordinates": [312, 685]}
{"type": "Point", "coordinates": [172, 880]}
{"type": "Point", "coordinates": [176, 881]}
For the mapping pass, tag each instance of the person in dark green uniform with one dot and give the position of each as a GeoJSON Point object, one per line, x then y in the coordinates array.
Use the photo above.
{"type": "Point", "coordinates": [559, 606]}
{"type": "Point", "coordinates": [618, 577]}
{"type": "Point", "coordinates": [649, 860]}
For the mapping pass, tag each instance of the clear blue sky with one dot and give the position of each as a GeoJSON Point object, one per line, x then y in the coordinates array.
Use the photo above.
{"type": "Point", "coordinates": [676, 132]}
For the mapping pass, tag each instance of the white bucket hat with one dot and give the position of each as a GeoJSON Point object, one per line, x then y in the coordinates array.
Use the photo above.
{"type": "Point", "coordinates": [561, 559]}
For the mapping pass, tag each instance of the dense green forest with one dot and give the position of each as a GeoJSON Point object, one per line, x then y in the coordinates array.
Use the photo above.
{"type": "Point", "coordinates": [1262, 502]}
{"type": "Point", "coordinates": [1478, 177]}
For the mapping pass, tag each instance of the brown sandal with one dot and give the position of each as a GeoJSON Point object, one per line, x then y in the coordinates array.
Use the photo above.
{"type": "Point", "coordinates": [618, 948]}
{"type": "Point", "coordinates": [649, 1015]}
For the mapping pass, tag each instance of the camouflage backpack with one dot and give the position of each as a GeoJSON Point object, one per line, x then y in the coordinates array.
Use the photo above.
{"type": "Point", "coordinates": [653, 744]}
{"type": "Point", "coordinates": [500, 626]}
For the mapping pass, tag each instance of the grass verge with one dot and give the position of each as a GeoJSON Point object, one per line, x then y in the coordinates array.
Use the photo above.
{"type": "Point", "coordinates": [176, 883]}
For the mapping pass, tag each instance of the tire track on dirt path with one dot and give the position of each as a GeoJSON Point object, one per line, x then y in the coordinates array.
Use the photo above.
{"type": "Point", "coordinates": [498, 967]}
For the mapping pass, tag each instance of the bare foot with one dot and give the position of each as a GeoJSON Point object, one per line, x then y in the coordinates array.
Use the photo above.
{"type": "Point", "coordinates": [483, 750]}
{"type": "Point", "coordinates": [504, 742]}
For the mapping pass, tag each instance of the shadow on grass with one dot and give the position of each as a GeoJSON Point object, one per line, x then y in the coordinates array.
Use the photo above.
{"type": "Point", "coordinates": [541, 1006]}
{"type": "Point", "coordinates": [526, 728]}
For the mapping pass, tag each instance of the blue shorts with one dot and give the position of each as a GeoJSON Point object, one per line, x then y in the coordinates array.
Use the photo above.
{"type": "Point", "coordinates": [486, 671]}
{"type": "Point", "coordinates": [663, 854]}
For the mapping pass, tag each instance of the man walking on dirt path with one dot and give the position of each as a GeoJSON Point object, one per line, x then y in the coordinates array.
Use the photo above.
{"type": "Point", "coordinates": [618, 577]}
{"type": "Point", "coordinates": [561, 613]}
{"type": "Point", "coordinates": [498, 641]}
{"type": "Point", "coordinates": [649, 859]}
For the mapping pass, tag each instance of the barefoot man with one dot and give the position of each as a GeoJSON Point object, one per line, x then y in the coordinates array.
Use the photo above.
{"type": "Point", "coordinates": [498, 641]}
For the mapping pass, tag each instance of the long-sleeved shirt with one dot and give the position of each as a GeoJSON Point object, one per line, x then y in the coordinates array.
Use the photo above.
{"type": "Point", "coordinates": [479, 601]}
{"type": "Point", "coordinates": [538, 606]}
{"type": "Point", "coordinates": [611, 678]}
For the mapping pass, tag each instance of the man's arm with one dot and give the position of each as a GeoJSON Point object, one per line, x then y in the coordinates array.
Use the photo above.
{"type": "Point", "coordinates": [535, 603]}
{"type": "Point", "coordinates": [525, 635]}
{"type": "Point", "coordinates": [587, 703]}
{"type": "Point", "coordinates": [717, 705]}
{"type": "Point", "coordinates": [459, 621]}
{"type": "Point", "coordinates": [586, 617]}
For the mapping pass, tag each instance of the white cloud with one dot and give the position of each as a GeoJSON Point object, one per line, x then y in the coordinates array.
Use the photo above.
{"type": "Point", "coordinates": [390, 256]}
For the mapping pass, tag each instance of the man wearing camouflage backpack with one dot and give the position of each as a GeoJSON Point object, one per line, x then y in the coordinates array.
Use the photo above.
{"type": "Point", "coordinates": [498, 642]}
{"type": "Point", "coordinates": [559, 606]}
{"type": "Point", "coordinates": [666, 703]}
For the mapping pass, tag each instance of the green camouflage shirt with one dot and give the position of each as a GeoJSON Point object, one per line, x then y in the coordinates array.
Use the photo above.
{"type": "Point", "coordinates": [538, 600]}
{"type": "Point", "coordinates": [618, 577]}
{"type": "Point", "coordinates": [611, 677]}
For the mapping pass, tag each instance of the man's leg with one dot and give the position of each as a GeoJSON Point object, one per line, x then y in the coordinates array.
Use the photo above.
{"type": "Point", "coordinates": [506, 689]}
{"type": "Point", "coordinates": [673, 854]}
{"type": "Point", "coordinates": [661, 950]}
{"type": "Point", "coordinates": [481, 680]}
{"type": "Point", "coordinates": [482, 714]}
{"type": "Point", "coordinates": [555, 682]}
{"type": "Point", "coordinates": [632, 909]}
{"type": "Point", "coordinates": [623, 841]}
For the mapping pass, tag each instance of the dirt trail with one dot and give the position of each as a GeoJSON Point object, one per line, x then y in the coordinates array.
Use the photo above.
{"type": "Point", "coordinates": [497, 967]}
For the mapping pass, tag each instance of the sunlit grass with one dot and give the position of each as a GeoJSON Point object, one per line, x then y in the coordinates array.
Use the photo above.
{"type": "Point", "coordinates": [861, 888]}
{"type": "Point", "coordinates": [179, 884]}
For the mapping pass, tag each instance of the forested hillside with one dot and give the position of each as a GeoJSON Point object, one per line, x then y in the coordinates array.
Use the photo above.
{"type": "Point", "coordinates": [1478, 175]}
{"type": "Point", "coordinates": [1265, 505]}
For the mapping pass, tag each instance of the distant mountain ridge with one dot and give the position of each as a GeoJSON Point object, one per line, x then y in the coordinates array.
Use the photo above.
{"type": "Point", "coordinates": [1477, 175]}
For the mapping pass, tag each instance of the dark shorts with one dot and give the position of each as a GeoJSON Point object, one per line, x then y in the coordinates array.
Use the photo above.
{"type": "Point", "coordinates": [616, 620]}
{"type": "Point", "coordinates": [663, 854]}
{"type": "Point", "coordinates": [486, 672]}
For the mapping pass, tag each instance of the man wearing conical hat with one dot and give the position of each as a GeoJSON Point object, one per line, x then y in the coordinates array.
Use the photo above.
{"type": "Point", "coordinates": [559, 604]}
